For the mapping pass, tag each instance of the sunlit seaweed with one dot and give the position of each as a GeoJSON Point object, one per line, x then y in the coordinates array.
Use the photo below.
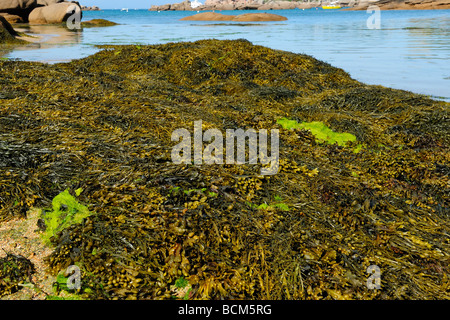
{"type": "Point", "coordinates": [15, 272]}
{"type": "Point", "coordinates": [104, 124]}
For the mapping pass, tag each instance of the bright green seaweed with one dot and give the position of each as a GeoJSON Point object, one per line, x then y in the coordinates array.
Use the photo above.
{"type": "Point", "coordinates": [319, 130]}
{"type": "Point", "coordinates": [66, 210]}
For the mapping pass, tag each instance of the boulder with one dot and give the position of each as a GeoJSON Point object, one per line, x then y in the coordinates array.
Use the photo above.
{"type": "Point", "coordinates": [164, 7]}
{"type": "Point", "coordinates": [47, 2]}
{"type": "Point", "coordinates": [246, 6]}
{"type": "Point", "coordinates": [208, 16]}
{"type": "Point", "coordinates": [402, 4]}
{"type": "Point", "coordinates": [259, 17]}
{"type": "Point", "coordinates": [284, 5]}
{"type": "Point", "coordinates": [54, 13]}
{"type": "Point", "coordinates": [17, 10]}
{"type": "Point", "coordinates": [7, 32]}
{"type": "Point", "coordinates": [214, 16]}
{"type": "Point", "coordinates": [227, 7]}
{"type": "Point", "coordinates": [5, 25]}
{"type": "Point", "coordinates": [12, 18]}
{"type": "Point", "coordinates": [98, 23]}
{"type": "Point", "coordinates": [93, 8]}
{"type": "Point", "coordinates": [8, 5]}
{"type": "Point", "coordinates": [279, 5]}
{"type": "Point", "coordinates": [182, 6]}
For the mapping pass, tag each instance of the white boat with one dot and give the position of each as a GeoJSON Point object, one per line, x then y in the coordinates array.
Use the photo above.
{"type": "Point", "coordinates": [124, 9]}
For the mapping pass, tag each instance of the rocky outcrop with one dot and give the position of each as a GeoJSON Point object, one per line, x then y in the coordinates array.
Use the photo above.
{"type": "Point", "coordinates": [283, 4]}
{"type": "Point", "coordinates": [208, 16]}
{"type": "Point", "coordinates": [12, 18]}
{"type": "Point", "coordinates": [214, 16]}
{"type": "Point", "coordinates": [7, 32]}
{"type": "Point", "coordinates": [93, 8]}
{"type": "Point", "coordinates": [182, 6]}
{"type": "Point", "coordinates": [253, 4]}
{"type": "Point", "coordinates": [6, 5]}
{"type": "Point", "coordinates": [402, 4]}
{"type": "Point", "coordinates": [16, 10]}
{"type": "Point", "coordinates": [53, 13]}
{"type": "Point", "coordinates": [259, 17]}
{"type": "Point", "coordinates": [235, 5]}
{"type": "Point", "coordinates": [37, 11]}
{"type": "Point", "coordinates": [48, 2]}
{"type": "Point", "coordinates": [98, 23]}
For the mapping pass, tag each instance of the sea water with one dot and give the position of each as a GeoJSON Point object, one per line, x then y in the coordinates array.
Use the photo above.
{"type": "Point", "coordinates": [410, 50]}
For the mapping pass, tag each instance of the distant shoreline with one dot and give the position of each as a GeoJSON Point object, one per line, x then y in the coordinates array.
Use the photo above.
{"type": "Point", "coordinates": [257, 5]}
{"type": "Point", "coordinates": [404, 5]}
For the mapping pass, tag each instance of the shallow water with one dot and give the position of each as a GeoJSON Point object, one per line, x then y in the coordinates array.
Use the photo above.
{"type": "Point", "coordinates": [410, 51]}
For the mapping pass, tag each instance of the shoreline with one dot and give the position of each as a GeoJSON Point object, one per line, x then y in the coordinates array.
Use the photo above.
{"type": "Point", "coordinates": [47, 38]}
{"type": "Point", "coordinates": [289, 5]}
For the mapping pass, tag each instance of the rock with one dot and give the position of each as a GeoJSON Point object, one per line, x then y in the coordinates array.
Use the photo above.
{"type": "Point", "coordinates": [48, 2]}
{"type": "Point", "coordinates": [259, 17]}
{"type": "Point", "coordinates": [239, 5]}
{"type": "Point", "coordinates": [98, 23]}
{"type": "Point", "coordinates": [5, 25]}
{"type": "Point", "coordinates": [227, 7]}
{"type": "Point", "coordinates": [247, 6]}
{"type": "Point", "coordinates": [214, 16]}
{"type": "Point", "coordinates": [283, 5]}
{"type": "Point", "coordinates": [54, 13]}
{"type": "Point", "coordinates": [7, 32]}
{"type": "Point", "coordinates": [402, 4]}
{"type": "Point", "coordinates": [182, 6]}
{"type": "Point", "coordinates": [12, 18]}
{"type": "Point", "coordinates": [17, 10]}
{"type": "Point", "coordinates": [93, 8]}
{"type": "Point", "coordinates": [165, 7]}
{"type": "Point", "coordinates": [208, 16]}
{"type": "Point", "coordinates": [7, 5]}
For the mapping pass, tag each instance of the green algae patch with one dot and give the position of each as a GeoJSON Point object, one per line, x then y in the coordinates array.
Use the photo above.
{"type": "Point", "coordinates": [98, 23]}
{"type": "Point", "coordinates": [181, 289]}
{"type": "Point", "coordinates": [66, 210]}
{"type": "Point", "coordinates": [278, 204]}
{"type": "Point", "coordinates": [319, 130]}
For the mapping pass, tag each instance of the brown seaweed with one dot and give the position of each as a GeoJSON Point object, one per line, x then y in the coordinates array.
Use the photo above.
{"type": "Point", "coordinates": [104, 124]}
{"type": "Point", "coordinates": [15, 271]}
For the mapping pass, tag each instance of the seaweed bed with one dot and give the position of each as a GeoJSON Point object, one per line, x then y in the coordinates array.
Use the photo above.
{"type": "Point", "coordinates": [101, 128]}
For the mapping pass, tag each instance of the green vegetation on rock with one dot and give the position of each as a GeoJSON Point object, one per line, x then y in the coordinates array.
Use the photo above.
{"type": "Point", "coordinates": [97, 23]}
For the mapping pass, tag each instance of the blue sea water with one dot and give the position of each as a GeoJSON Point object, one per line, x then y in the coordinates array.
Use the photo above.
{"type": "Point", "coordinates": [410, 50]}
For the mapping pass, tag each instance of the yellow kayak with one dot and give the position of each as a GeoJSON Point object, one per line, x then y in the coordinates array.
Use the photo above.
{"type": "Point", "coordinates": [331, 7]}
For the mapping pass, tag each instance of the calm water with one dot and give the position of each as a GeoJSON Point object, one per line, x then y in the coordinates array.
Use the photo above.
{"type": "Point", "coordinates": [410, 51]}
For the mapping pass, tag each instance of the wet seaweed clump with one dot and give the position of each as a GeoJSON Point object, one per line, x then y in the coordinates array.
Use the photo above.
{"type": "Point", "coordinates": [362, 175]}
{"type": "Point", "coordinates": [98, 23]}
{"type": "Point", "coordinates": [15, 271]}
